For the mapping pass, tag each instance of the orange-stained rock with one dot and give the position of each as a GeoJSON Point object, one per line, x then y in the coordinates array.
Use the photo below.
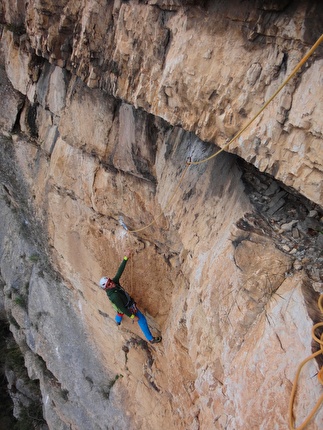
{"type": "Point", "coordinates": [118, 96]}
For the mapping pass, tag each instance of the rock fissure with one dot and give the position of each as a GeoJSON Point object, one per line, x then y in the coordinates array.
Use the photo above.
{"type": "Point", "coordinates": [229, 274]}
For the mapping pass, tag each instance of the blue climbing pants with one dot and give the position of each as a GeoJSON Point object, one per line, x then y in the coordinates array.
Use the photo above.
{"type": "Point", "coordinates": [142, 323]}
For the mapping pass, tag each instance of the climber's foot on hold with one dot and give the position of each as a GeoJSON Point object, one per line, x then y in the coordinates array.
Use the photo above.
{"type": "Point", "coordinates": [156, 339]}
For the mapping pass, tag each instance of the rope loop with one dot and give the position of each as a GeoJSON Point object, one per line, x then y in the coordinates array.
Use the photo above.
{"type": "Point", "coordinates": [319, 375]}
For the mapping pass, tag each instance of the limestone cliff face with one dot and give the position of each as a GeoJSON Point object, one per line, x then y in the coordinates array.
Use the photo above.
{"type": "Point", "coordinates": [103, 104]}
{"type": "Point", "coordinates": [182, 65]}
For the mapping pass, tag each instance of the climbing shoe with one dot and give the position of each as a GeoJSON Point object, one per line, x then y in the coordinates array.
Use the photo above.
{"type": "Point", "coordinates": [156, 339]}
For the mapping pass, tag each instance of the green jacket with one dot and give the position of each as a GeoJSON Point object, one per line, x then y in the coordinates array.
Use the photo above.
{"type": "Point", "coordinates": [119, 298]}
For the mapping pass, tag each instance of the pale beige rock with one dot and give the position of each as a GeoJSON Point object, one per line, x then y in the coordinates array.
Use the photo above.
{"type": "Point", "coordinates": [280, 331]}
{"type": "Point", "coordinates": [163, 68]}
{"type": "Point", "coordinates": [226, 300]}
{"type": "Point", "coordinates": [205, 311]}
{"type": "Point", "coordinates": [57, 91]}
{"type": "Point", "coordinates": [17, 63]}
{"type": "Point", "coordinates": [87, 120]}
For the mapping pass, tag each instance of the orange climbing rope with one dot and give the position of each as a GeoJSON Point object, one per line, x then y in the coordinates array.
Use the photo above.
{"type": "Point", "coordinates": [320, 377]}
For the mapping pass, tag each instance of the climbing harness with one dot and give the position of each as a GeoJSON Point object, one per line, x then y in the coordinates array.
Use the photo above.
{"type": "Point", "coordinates": [320, 376]}
{"type": "Point", "coordinates": [194, 163]}
{"type": "Point", "coordinates": [189, 163]}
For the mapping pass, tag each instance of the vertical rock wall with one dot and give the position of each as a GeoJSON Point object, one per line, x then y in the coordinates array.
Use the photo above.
{"type": "Point", "coordinates": [229, 273]}
{"type": "Point", "coordinates": [205, 67]}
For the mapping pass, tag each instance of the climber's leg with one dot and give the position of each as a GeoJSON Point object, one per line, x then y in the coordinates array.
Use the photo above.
{"type": "Point", "coordinates": [118, 318]}
{"type": "Point", "coordinates": [144, 326]}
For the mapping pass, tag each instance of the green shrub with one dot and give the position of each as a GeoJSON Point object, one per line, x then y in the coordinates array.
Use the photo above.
{"type": "Point", "coordinates": [34, 258]}
{"type": "Point", "coordinates": [21, 301]}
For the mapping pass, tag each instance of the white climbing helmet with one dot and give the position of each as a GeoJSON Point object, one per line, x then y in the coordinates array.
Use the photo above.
{"type": "Point", "coordinates": [103, 282]}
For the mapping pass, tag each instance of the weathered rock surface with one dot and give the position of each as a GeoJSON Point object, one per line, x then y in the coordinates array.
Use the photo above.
{"type": "Point", "coordinates": [203, 83]}
{"type": "Point", "coordinates": [100, 116]}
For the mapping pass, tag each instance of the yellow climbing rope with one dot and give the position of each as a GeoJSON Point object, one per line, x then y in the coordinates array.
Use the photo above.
{"type": "Point", "coordinates": [320, 376]}
{"type": "Point", "coordinates": [191, 163]}
{"type": "Point", "coordinates": [194, 163]}
{"type": "Point", "coordinates": [293, 73]}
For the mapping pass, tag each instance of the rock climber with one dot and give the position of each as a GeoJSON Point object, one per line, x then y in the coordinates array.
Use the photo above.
{"type": "Point", "coordinates": [123, 303]}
